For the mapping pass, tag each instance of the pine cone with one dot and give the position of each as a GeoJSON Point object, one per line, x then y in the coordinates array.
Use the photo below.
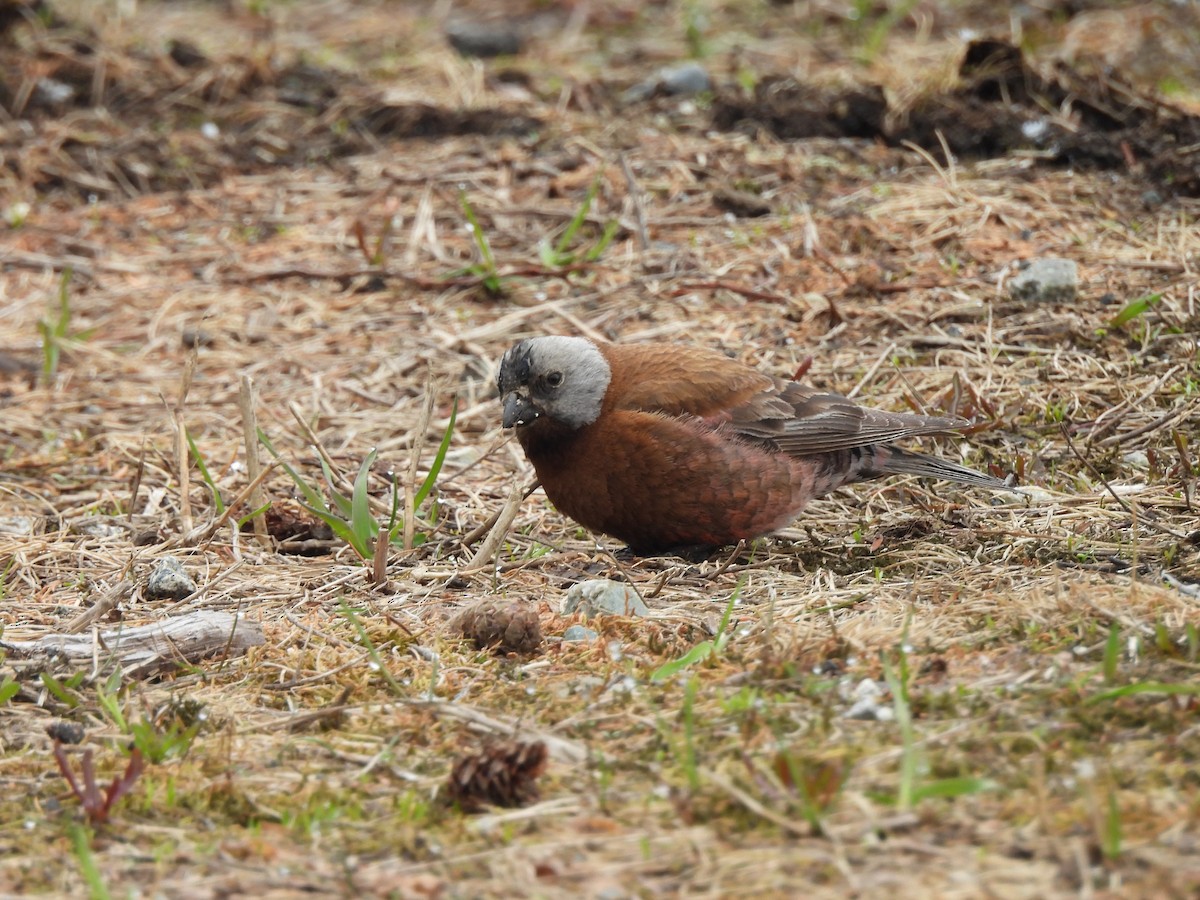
{"type": "Point", "coordinates": [505, 627]}
{"type": "Point", "coordinates": [501, 774]}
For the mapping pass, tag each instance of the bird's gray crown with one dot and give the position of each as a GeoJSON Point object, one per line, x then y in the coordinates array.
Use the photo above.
{"type": "Point", "coordinates": [565, 377]}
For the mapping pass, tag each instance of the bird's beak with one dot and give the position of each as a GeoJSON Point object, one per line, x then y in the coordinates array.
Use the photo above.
{"type": "Point", "coordinates": [518, 411]}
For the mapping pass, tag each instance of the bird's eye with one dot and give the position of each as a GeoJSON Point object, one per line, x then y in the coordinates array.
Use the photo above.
{"type": "Point", "coordinates": [554, 379]}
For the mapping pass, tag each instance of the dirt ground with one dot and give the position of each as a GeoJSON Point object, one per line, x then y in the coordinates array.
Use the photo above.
{"type": "Point", "coordinates": [918, 690]}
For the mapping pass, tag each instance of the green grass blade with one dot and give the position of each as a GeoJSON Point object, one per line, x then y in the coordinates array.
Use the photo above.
{"type": "Point", "coordinates": [1111, 841]}
{"type": "Point", "coordinates": [55, 332]}
{"type": "Point", "coordinates": [109, 698]}
{"type": "Point", "coordinates": [49, 352]}
{"type": "Point", "coordinates": [351, 616]}
{"type": "Point", "coordinates": [394, 520]}
{"type": "Point", "coordinates": [578, 219]}
{"type": "Point", "coordinates": [610, 231]}
{"type": "Point", "coordinates": [438, 459]}
{"type": "Point", "coordinates": [477, 234]}
{"type": "Point", "coordinates": [198, 459]}
{"type": "Point", "coordinates": [551, 258]}
{"type": "Point", "coordinates": [81, 842]}
{"type": "Point", "coordinates": [689, 734]}
{"type": "Point", "coordinates": [1146, 687]}
{"type": "Point", "coordinates": [339, 526]}
{"type": "Point", "coordinates": [906, 793]}
{"type": "Point", "coordinates": [344, 504]}
{"type": "Point", "coordinates": [250, 516]}
{"type": "Point", "coordinates": [362, 523]}
{"type": "Point", "coordinates": [949, 788]}
{"type": "Point", "coordinates": [1133, 309]}
{"type": "Point", "coordinates": [1112, 653]}
{"type": "Point", "coordinates": [316, 503]}
{"type": "Point", "coordinates": [59, 691]}
{"type": "Point", "coordinates": [699, 653]}
{"type": "Point", "coordinates": [720, 639]}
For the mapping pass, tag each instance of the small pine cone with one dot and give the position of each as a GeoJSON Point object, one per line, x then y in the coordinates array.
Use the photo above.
{"type": "Point", "coordinates": [505, 627]}
{"type": "Point", "coordinates": [501, 774]}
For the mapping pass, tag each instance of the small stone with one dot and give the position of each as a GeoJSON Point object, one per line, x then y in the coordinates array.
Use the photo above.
{"type": "Point", "coordinates": [603, 596]}
{"type": "Point", "coordinates": [1051, 280]}
{"type": "Point", "coordinates": [66, 732]}
{"type": "Point", "coordinates": [580, 633]}
{"type": "Point", "coordinates": [681, 80]}
{"type": "Point", "coordinates": [483, 39]}
{"type": "Point", "coordinates": [688, 78]}
{"type": "Point", "coordinates": [186, 54]}
{"type": "Point", "coordinates": [1138, 459]}
{"type": "Point", "coordinates": [98, 528]}
{"type": "Point", "coordinates": [194, 338]}
{"type": "Point", "coordinates": [16, 525]}
{"type": "Point", "coordinates": [1035, 130]}
{"type": "Point", "coordinates": [868, 711]}
{"type": "Point", "coordinates": [53, 92]}
{"type": "Point", "coordinates": [867, 696]}
{"type": "Point", "coordinates": [169, 581]}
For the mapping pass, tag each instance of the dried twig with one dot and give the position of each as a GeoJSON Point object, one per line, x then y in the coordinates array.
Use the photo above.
{"type": "Point", "coordinates": [503, 521]}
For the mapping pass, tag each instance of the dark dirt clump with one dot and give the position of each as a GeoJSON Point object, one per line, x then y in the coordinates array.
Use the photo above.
{"type": "Point", "coordinates": [1001, 105]}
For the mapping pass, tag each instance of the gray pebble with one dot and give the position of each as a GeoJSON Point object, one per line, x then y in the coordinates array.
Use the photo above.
{"type": "Point", "coordinates": [688, 78]}
{"type": "Point", "coordinates": [53, 92]}
{"type": "Point", "coordinates": [169, 581]}
{"type": "Point", "coordinates": [1049, 280]}
{"type": "Point", "coordinates": [681, 80]}
{"type": "Point", "coordinates": [66, 732]}
{"type": "Point", "coordinates": [870, 703]}
{"type": "Point", "coordinates": [580, 633]}
{"type": "Point", "coordinates": [98, 528]}
{"type": "Point", "coordinates": [1138, 459]}
{"type": "Point", "coordinates": [483, 40]}
{"type": "Point", "coordinates": [603, 597]}
{"type": "Point", "coordinates": [191, 338]}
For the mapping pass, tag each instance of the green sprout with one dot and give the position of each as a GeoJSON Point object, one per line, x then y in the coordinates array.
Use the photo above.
{"type": "Point", "coordinates": [350, 518]}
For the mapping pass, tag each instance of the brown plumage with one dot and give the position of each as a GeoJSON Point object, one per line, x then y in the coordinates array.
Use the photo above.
{"type": "Point", "coordinates": [668, 446]}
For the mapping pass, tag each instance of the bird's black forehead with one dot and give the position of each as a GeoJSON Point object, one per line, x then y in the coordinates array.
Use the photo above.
{"type": "Point", "coordinates": [516, 368]}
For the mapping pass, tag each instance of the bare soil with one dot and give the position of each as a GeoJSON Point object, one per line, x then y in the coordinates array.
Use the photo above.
{"type": "Point", "coordinates": [921, 690]}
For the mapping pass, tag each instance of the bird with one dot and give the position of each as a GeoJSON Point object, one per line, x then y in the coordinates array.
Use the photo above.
{"type": "Point", "coordinates": [677, 448]}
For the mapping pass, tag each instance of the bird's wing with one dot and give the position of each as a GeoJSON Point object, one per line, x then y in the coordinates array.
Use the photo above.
{"type": "Point", "coordinates": [793, 417]}
{"type": "Point", "coordinates": [679, 380]}
{"type": "Point", "coordinates": [800, 420]}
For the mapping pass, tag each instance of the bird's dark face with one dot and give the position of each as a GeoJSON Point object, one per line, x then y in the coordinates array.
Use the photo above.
{"type": "Point", "coordinates": [558, 380]}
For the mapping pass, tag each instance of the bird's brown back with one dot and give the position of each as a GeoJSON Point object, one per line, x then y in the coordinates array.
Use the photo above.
{"type": "Point", "coordinates": [678, 380]}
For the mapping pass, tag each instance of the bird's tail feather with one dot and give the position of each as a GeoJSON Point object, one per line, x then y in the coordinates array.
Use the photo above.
{"type": "Point", "coordinates": [907, 462]}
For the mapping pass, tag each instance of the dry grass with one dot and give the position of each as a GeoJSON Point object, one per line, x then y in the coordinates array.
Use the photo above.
{"type": "Point", "coordinates": [321, 757]}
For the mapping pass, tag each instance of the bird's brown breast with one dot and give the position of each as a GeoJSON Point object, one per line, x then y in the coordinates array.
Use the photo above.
{"type": "Point", "coordinates": [658, 482]}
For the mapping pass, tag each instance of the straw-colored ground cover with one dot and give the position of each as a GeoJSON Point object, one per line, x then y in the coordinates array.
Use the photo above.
{"type": "Point", "coordinates": [287, 204]}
